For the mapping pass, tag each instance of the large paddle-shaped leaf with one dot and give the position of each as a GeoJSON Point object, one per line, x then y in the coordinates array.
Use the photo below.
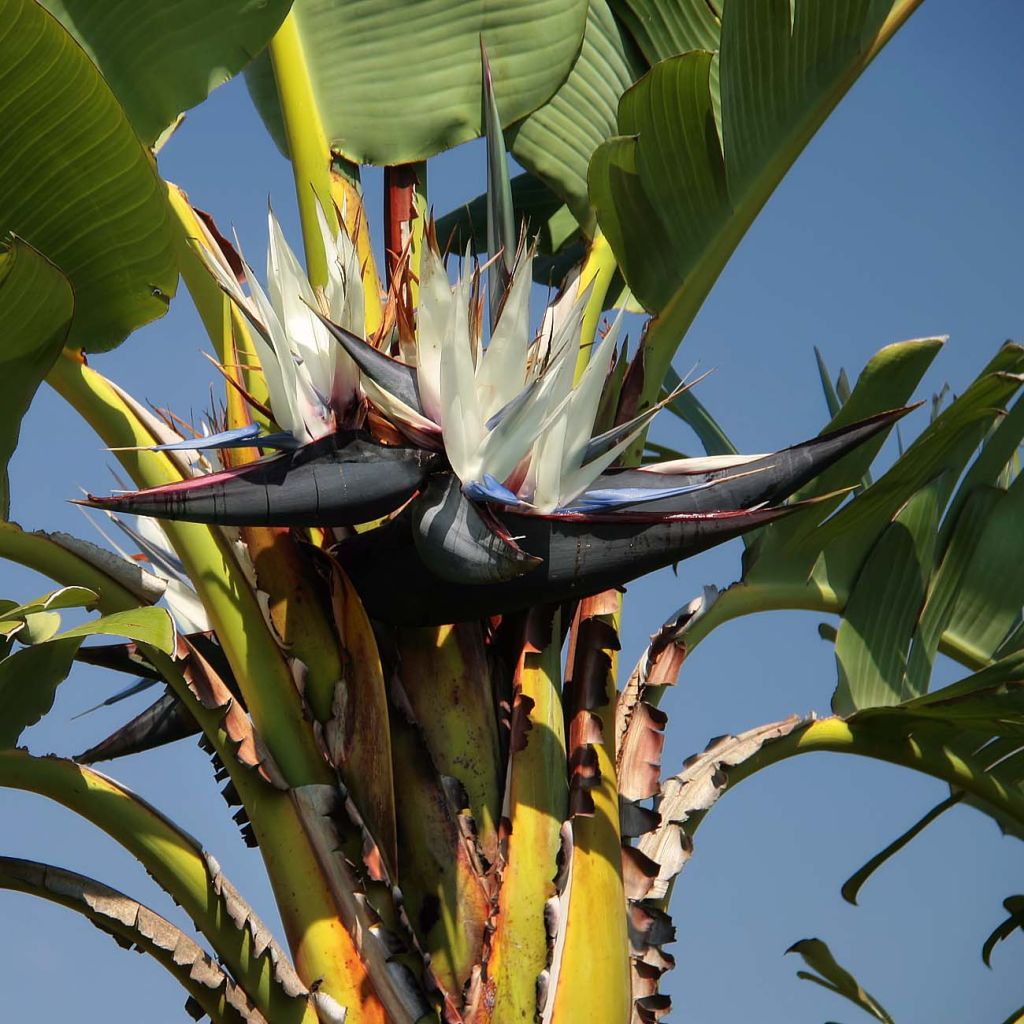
{"type": "Point", "coordinates": [545, 218]}
{"type": "Point", "coordinates": [663, 28]}
{"type": "Point", "coordinates": [972, 597]}
{"type": "Point", "coordinates": [76, 183]}
{"type": "Point", "coordinates": [161, 58]}
{"type": "Point", "coordinates": [399, 80]}
{"type": "Point", "coordinates": [35, 309]}
{"type": "Point", "coordinates": [677, 188]}
{"type": "Point", "coordinates": [557, 141]}
{"type": "Point", "coordinates": [622, 39]}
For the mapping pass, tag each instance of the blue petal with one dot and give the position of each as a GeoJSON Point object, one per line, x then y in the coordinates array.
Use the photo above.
{"type": "Point", "coordinates": [609, 499]}
{"type": "Point", "coordinates": [240, 437]}
{"type": "Point", "coordinates": [489, 489]}
{"type": "Point", "coordinates": [129, 691]}
{"type": "Point", "coordinates": [282, 440]}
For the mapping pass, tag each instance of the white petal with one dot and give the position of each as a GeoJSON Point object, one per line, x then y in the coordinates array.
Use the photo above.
{"type": "Point", "coordinates": [701, 464]}
{"type": "Point", "coordinates": [502, 369]}
{"type": "Point", "coordinates": [292, 298]}
{"type": "Point", "coordinates": [396, 410]}
{"type": "Point", "coordinates": [225, 277]}
{"type": "Point", "coordinates": [577, 480]}
{"type": "Point", "coordinates": [277, 361]}
{"type": "Point", "coordinates": [186, 609]}
{"type": "Point", "coordinates": [432, 316]}
{"type": "Point", "coordinates": [586, 398]}
{"type": "Point", "coordinates": [510, 441]}
{"type": "Point", "coordinates": [344, 294]}
{"type": "Point", "coordinates": [152, 532]}
{"type": "Point", "coordinates": [561, 310]}
{"type": "Point", "coordinates": [546, 468]}
{"type": "Point", "coordinates": [461, 425]}
{"type": "Point", "coordinates": [562, 347]}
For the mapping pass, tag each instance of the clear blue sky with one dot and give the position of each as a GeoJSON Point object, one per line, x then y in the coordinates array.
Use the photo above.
{"type": "Point", "coordinates": [904, 218]}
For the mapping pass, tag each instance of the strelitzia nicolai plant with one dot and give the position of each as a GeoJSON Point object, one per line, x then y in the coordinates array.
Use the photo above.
{"type": "Point", "coordinates": [446, 815]}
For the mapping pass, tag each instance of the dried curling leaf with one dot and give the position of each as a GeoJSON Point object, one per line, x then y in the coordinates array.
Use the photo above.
{"type": "Point", "coordinates": [695, 789]}
{"type": "Point", "coordinates": [667, 848]}
{"type": "Point", "coordinates": [133, 925]}
{"type": "Point", "coordinates": [659, 664]}
{"type": "Point", "coordinates": [213, 694]}
{"type": "Point", "coordinates": [245, 919]}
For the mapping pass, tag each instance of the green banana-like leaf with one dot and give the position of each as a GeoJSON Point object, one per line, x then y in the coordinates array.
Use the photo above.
{"type": "Point", "coordinates": [75, 182]}
{"type": "Point", "coordinates": [159, 58]}
{"type": "Point", "coordinates": [852, 886]}
{"type": "Point", "coordinates": [805, 562]}
{"type": "Point", "coordinates": [678, 186]}
{"type": "Point", "coordinates": [28, 681]}
{"type": "Point", "coordinates": [991, 591]}
{"type": "Point", "coordinates": [835, 550]}
{"type": "Point", "coordinates": [944, 448]}
{"type": "Point", "coordinates": [397, 82]}
{"type": "Point", "coordinates": [30, 676]}
{"type": "Point", "coordinates": [152, 626]}
{"type": "Point", "coordinates": [556, 141]}
{"type": "Point", "coordinates": [886, 382]}
{"type": "Point", "coordinates": [999, 454]}
{"type": "Point", "coordinates": [1002, 752]}
{"type": "Point", "coordinates": [883, 606]}
{"type": "Point", "coordinates": [502, 238]}
{"type": "Point", "coordinates": [545, 218]}
{"type": "Point", "coordinates": [663, 28]}
{"type": "Point", "coordinates": [836, 394]}
{"type": "Point", "coordinates": [832, 399]}
{"type": "Point", "coordinates": [35, 622]}
{"type": "Point", "coordinates": [967, 734]}
{"type": "Point", "coordinates": [36, 305]}
{"type": "Point", "coordinates": [81, 565]}
{"type": "Point", "coordinates": [944, 587]}
{"type": "Point", "coordinates": [829, 974]}
{"type": "Point", "coordinates": [56, 600]}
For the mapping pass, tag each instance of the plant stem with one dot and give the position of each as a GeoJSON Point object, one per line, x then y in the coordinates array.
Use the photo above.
{"type": "Point", "coordinates": [174, 860]}
{"type": "Point", "coordinates": [270, 693]}
{"type": "Point", "coordinates": [593, 980]}
{"type": "Point", "coordinates": [747, 598]}
{"type": "Point", "coordinates": [537, 804]}
{"type": "Point", "coordinates": [224, 323]}
{"type": "Point", "coordinates": [598, 271]}
{"type": "Point", "coordinates": [133, 925]}
{"type": "Point", "coordinates": [405, 207]}
{"type": "Point", "coordinates": [845, 736]}
{"type": "Point", "coordinates": [308, 147]}
{"type": "Point", "coordinates": [43, 554]}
